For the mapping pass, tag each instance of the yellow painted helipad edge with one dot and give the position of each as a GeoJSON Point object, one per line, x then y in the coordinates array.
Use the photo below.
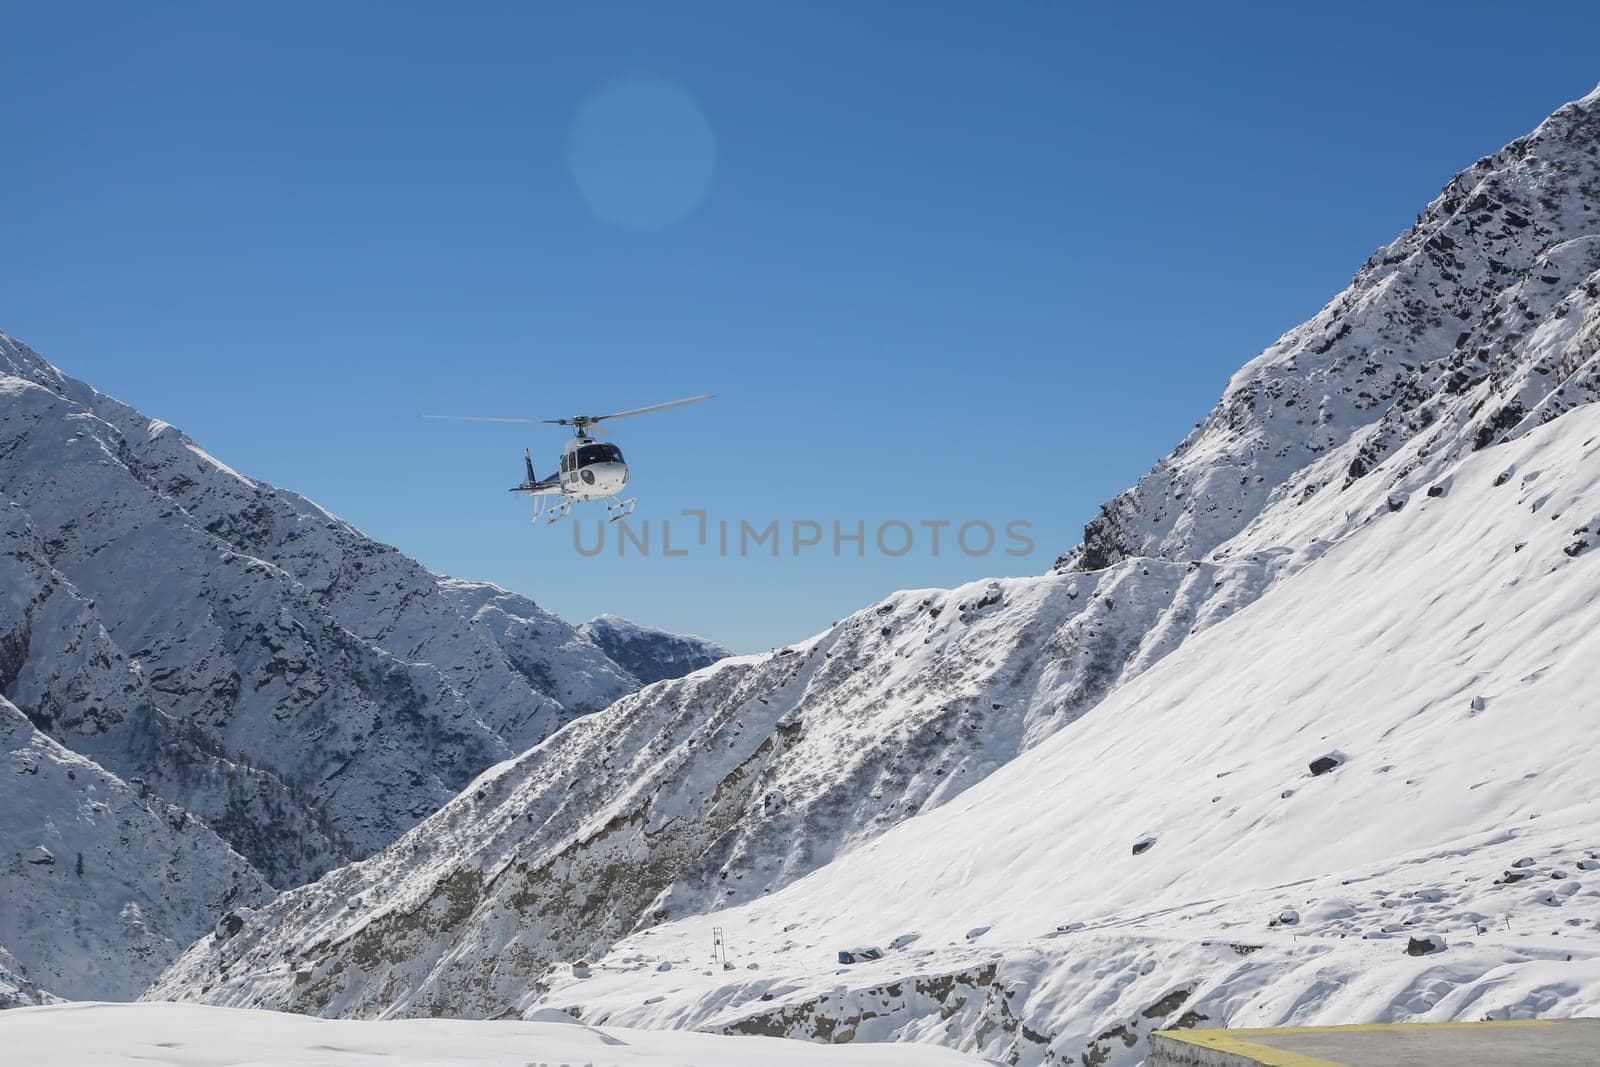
{"type": "Point", "coordinates": [1238, 1042]}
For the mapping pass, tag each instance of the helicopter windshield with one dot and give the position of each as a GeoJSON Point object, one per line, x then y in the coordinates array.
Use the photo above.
{"type": "Point", "coordinates": [602, 453]}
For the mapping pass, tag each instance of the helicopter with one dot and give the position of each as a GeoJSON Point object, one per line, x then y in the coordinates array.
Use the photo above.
{"type": "Point", "coordinates": [589, 469]}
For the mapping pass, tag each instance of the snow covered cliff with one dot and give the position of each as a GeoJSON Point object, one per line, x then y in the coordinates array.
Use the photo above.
{"type": "Point", "coordinates": [648, 653]}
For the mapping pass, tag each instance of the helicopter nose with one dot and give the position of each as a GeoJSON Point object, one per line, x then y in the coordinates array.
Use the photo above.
{"type": "Point", "coordinates": [606, 477]}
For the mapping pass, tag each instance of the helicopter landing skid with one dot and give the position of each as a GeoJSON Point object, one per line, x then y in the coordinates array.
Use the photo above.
{"type": "Point", "coordinates": [553, 513]}
{"type": "Point", "coordinates": [617, 509]}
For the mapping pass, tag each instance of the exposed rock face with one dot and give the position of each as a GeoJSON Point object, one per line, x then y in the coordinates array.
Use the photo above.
{"type": "Point", "coordinates": [649, 654]}
{"type": "Point", "coordinates": [720, 789]}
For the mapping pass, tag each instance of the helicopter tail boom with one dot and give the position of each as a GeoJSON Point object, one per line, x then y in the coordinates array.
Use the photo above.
{"type": "Point", "coordinates": [533, 484]}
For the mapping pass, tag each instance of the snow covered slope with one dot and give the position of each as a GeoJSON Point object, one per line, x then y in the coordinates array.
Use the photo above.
{"type": "Point", "coordinates": [103, 883]}
{"type": "Point", "coordinates": [137, 1035]}
{"type": "Point", "coordinates": [648, 653]}
{"type": "Point", "coordinates": [1363, 435]}
{"type": "Point", "coordinates": [706, 790]}
{"type": "Point", "coordinates": [1175, 858]}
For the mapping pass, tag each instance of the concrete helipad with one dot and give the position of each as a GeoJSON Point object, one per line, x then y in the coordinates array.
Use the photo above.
{"type": "Point", "coordinates": [1535, 1042]}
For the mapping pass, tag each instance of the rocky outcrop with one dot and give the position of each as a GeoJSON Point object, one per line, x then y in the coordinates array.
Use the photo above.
{"type": "Point", "coordinates": [1471, 326]}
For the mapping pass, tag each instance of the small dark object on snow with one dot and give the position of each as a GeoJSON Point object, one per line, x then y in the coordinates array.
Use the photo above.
{"type": "Point", "coordinates": [860, 955]}
{"type": "Point", "coordinates": [229, 925]}
{"type": "Point", "coordinates": [1324, 764]}
{"type": "Point", "coordinates": [1143, 845]}
{"type": "Point", "coordinates": [1426, 945]}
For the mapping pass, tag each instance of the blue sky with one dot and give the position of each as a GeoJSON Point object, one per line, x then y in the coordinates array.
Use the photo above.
{"type": "Point", "coordinates": [944, 261]}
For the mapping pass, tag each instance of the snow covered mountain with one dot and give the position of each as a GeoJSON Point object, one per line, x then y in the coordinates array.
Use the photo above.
{"type": "Point", "coordinates": [104, 883]}
{"type": "Point", "coordinates": [1326, 670]}
{"type": "Point", "coordinates": [648, 653]}
{"type": "Point", "coordinates": [234, 650]}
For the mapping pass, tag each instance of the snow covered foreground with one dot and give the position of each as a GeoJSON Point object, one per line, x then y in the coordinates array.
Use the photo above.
{"type": "Point", "coordinates": [142, 1035]}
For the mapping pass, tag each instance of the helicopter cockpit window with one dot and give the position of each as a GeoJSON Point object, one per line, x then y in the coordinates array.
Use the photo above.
{"type": "Point", "coordinates": [604, 453]}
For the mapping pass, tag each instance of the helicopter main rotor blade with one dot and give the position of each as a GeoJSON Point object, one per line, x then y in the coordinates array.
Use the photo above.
{"type": "Point", "coordinates": [580, 421]}
{"type": "Point", "coordinates": [653, 407]}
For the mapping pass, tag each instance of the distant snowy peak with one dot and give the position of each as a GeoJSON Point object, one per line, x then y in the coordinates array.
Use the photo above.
{"type": "Point", "coordinates": [1475, 324]}
{"type": "Point", "coordinates": [648, 653]}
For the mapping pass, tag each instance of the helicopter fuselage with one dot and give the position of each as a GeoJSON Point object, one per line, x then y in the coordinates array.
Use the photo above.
{"type": "Point", "coordinates": [592, 470]}
{"type": "Point", "coordinates": [589, 469]}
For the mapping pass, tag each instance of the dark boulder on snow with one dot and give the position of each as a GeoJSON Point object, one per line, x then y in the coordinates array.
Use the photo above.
{"type": "Point", "coordinates": [230, 924]}
{"type": "Point", "coordinates": [1143, 845]}
{"type": "Point", "coordinates": [860, 955]}
{"type": "Point", "coordinates": [1426, 945]}
{"type": "Point", "coordinates": [1325, 764]}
